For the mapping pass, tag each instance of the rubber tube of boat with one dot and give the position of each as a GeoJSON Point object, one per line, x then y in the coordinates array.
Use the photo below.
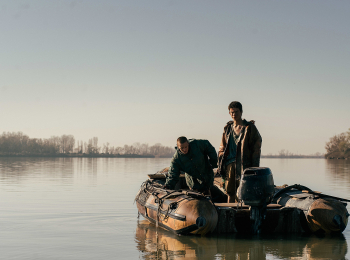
{"type": "Point", "coordinates": [256, 189]}
{"type": "Point", "coordinates": [322, 213]}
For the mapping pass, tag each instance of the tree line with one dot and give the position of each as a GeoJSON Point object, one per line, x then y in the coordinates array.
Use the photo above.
{"type": "Point", "coordinates": [287, 154]}
{"type": "Point", "coordinates": [339, 145]}
{"type": "Point", "coordinates": [17, 143]}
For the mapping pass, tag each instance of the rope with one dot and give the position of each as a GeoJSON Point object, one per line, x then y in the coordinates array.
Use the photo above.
{"type": "Point", "coordinates": [170, 206]}
{"type": "Point", "coordinates": [149, 188]}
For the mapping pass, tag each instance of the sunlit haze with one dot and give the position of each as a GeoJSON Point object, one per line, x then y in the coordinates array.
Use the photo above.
{"type": "Point", "coordinates": [151, 71]}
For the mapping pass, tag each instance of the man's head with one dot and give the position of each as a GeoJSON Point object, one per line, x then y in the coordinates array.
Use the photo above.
{"type": "Point", "coordinates": [182, 144]}
{"type": "Point", "coordinates": [235, 109]}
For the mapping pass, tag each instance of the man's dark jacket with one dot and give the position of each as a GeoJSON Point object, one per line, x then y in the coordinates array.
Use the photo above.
{"type": "Point", "coordinates": [198, 165]}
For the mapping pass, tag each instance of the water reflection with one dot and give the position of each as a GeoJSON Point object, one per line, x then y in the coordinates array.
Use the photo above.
{"type": "Point", "coordinates": [339, 169]}
{"type": "Point", "coordinates": [17, 170]}
{"type": "Point", "coordinates": [160, 244]}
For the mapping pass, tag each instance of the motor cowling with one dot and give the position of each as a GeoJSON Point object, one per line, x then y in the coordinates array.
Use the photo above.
{"type": "Point", "coordinates": [256, 187]}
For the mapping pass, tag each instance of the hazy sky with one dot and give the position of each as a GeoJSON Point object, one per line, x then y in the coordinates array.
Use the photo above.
{"type": "Point", "coordinates": [150, 71]}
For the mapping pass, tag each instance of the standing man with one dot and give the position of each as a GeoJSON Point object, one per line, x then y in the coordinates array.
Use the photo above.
{"type": "Point", "coordinates": [196, 158]}
{"type": "Point", "coordinates": [240, 149]}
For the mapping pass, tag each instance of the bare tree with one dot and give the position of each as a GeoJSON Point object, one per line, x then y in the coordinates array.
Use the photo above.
{"type": "Point", "coordinates": [144, 149]}
{"type": "Point", "coordinates": [67, 143]}
{"type": "Point", "coordinates": [106, 148]}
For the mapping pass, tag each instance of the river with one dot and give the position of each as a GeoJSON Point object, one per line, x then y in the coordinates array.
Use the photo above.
{"type": "Point", "coordinates": [83, 208]}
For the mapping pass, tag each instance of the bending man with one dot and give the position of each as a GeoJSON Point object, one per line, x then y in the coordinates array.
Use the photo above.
{"type": "Point", "coordinates": [240, 149]}
{"type": "Point", "coordinates": [196, 158]}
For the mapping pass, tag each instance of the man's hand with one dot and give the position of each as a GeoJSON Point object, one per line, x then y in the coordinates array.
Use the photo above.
{"type": "Point", "coordinates": [166, 187]}
{"type": "Point", "coordinates": [222, 185]}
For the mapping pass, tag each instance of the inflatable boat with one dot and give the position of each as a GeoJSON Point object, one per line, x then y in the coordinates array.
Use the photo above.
{"type": "Point", "coordinates": [183, 211]}
{"type": "Point", "coordinates": [320, 213]}
{"type": "Point", "coordinates": [180, 211]}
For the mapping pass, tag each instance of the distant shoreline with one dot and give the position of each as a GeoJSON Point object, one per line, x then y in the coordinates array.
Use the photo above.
{"type": "Point", "coordinates": [79, 155]}
{"type": "Point", "coordinates": [293, 157]}
{"type": "Point", "coordinates": [72, 155]}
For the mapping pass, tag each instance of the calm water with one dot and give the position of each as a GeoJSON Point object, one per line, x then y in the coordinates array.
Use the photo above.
{"type": "Point", "coordinates": [83, 209]}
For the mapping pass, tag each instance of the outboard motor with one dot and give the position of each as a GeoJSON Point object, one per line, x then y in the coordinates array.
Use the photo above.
{"type": "Point", "coordinates": [256, 189]}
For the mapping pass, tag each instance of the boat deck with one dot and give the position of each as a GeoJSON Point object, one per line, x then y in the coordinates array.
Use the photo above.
{"type": "Point", "coordinates": [235, 217]}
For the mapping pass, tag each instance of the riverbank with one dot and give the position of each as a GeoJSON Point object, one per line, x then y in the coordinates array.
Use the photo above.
{"type": "Point", "coordinates": [294, 156]}
{"type": "Point", "coordinates": [338, 155]}
{"type": "Point", "coordinates": [79, 155]}
{"type": "Point", "coordinates": [104, 155]}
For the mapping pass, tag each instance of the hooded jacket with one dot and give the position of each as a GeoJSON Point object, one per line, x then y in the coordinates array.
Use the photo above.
{"type": "Point", "coordinates": [197, 164]}
{"type": "Point", "coordinates": [248, 148]}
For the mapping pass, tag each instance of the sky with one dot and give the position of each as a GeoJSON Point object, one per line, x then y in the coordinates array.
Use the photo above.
{"type": "Point", "coordinates": [151, 71]}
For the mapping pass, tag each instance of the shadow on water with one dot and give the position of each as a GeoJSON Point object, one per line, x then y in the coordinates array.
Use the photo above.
{"type": "Point", "coordinates": [156, 243]}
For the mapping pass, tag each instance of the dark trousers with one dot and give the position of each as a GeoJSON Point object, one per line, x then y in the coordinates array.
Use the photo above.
{"type": "Point", "coordinates": [231, 184]}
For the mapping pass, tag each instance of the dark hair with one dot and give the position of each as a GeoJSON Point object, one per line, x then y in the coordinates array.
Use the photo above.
{"type": "Point", "coordinates": [182, 140]}
{"type": "Point", "coordinates": [235, 104]}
